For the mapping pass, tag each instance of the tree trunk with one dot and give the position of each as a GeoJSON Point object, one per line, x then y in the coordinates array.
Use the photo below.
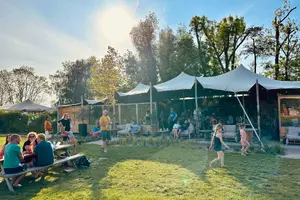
{"type": "Point", "coordinates": [277, 49]}
{"type": "Point", "coordinates": [255, 56]}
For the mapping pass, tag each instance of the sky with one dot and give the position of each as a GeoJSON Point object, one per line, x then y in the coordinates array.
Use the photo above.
{"type": "Point", "coordinates": [43, 34]}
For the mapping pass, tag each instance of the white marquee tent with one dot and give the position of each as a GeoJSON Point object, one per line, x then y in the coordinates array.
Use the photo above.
{"type": "Point", "coordinates": [139, 89]}
{"type": "Point", "coordinates": [180, 82]}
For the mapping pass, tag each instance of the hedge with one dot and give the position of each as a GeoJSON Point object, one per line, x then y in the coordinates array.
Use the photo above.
{"type": "Point", "coordinates": [16, 122]}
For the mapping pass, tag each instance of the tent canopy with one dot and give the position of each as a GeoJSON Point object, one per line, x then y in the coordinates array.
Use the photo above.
{"type": "Point", "coordinates": [242, 80]}
{"type": "Point", "coordinates": [139, 89]}
{"type": "Point", "coordinates": [180, 82]}
{"type": "Point", "coordinates": [28, 106]}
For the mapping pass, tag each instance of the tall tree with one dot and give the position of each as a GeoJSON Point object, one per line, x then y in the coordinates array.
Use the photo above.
{"type": "Point", "coordinates": [290, 48]}
{"type": "Point", "coordinates": [21, 84]}
{"type": "Point", "coordinates": [70, 83]}
{"type": "Point", "coordinates": [257, 45]}
{"type": "Point", "coordinates": [133, 70]}
{"type": "Point", "coordinates": [224, 39]}
{"type": "Point", "coordinates": [166, 47]}
{"type": "Point", "coordinates": [281, 14]}
{"type": "Point", "coordinates": [143, 37]}
{"type": "Point", "coordinates": [203, 57]}
{"type": "Point", "coordinates": [106, 76]}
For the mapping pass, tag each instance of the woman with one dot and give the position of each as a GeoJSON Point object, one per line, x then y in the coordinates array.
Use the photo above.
{"type": "Point", "coordinates": [66, 132]}
{"type": "Point", "coordinates": [30, 143]}
{"type": "Point", "coordinates": [7, 140]}
{"type": "Point", "coordinates": [217, 142]}
{"type": "Point", "coordinates": [48, 127]}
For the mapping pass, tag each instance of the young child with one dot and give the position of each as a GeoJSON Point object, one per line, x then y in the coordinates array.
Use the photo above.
{"type": "Point", "coordinates": [176, 129]}
{"type": "Point", "coordinates": [245, 144]}
{"type": "Point", "coordinates": [216, 142]}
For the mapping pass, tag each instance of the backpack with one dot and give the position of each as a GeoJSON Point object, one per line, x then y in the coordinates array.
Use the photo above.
{"type": "Point", "coordinates": [83, 162]}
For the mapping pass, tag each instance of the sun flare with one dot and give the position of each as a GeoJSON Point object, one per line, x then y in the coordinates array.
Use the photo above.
{"type": "Point", "coordinates": [115, 24]}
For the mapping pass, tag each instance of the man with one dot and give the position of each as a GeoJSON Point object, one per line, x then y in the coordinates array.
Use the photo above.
{"type": "Point", "coordinates": [172, 118]}
{"type": "Point", "coordinates": [44, 152]}
{"type": "Point", "coordinates": [105, 123]}
{"type": "Point", "coordinates": [13, 157]}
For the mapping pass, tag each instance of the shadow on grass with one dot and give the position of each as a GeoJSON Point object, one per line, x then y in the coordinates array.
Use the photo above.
{"type": "Point", "coordinates": [257, 175]}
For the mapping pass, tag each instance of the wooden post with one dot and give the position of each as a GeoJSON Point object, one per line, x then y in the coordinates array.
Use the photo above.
{"type": "Point", "coordinates": [196, 102]}
{"type": "Point", "coordinates": [244, 118]}
{"type": "Point", "coordinates": [137, 113]}
{"type": "Point", "coordinates": [119, 107]}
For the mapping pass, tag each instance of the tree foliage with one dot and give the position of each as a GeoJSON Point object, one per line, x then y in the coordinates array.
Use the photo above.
{"type": "Point", "coordinates": [224, 38]}
{"type": "Point", "coordinates": [21, 84]}
{"type": "Point", "coordinates": [70, 83]}
{"type": "Point", "coordinates": [143, 37]}
{"type": "Point", "coordinates": [106, 76]}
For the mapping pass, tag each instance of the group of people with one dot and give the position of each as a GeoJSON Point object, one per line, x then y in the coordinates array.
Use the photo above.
{"type": "Point", "coordinates": [217, 142]}
{"type": "Point", "coordinates": [36, 152]}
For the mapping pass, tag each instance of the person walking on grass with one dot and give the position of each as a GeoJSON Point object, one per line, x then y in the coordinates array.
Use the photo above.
{"type": "Point", "coordinates": [216, 142]}
{"type": "Point", "coordinates": [105, 123]}
{"type": "Point", "coordinates": [245, 144]}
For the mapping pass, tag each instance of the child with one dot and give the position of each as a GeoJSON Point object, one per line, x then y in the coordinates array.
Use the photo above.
{"type": "Point", "coordinates": [217, 142]}
{"type": "Point", "coordinates": [245, 144]}
{"type": "Point", "coordinates": [176, 129]}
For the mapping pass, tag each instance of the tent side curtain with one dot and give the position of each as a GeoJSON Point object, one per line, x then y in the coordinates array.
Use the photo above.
{"type": "Point", "coordinates": [180, 82]}
{"type": "Point", "coordinates": [242, 80]}
{"type": "Point", "coordinates": [139, 89]}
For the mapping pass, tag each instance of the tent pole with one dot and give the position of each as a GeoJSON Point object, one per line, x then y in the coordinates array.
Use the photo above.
{"type": "Point", "coordinates": [262, 145]}
{"type": "Point", "coordinates": [244, 117]}
{"type": "Point", "coordinates": [258, 108]}
{"type": "Point", "coordinates": [183, 101]}
{"type": "Point", "coordinates": [57, 115]}
{"type": "Point", "coordinates": [151, 103]}
{"type": "Point", "coordinates": [196, 102]}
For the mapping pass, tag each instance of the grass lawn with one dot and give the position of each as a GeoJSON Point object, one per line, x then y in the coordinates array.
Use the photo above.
{"type": "Point", "coordinates": [131, 173]}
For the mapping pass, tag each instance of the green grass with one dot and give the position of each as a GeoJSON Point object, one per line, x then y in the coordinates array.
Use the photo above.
{"type": "Point", "coordinates": [172, 172]}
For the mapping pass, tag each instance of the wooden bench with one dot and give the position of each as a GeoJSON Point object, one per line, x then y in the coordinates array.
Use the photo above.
{"type": "Point", "coordinates": [32, 169]}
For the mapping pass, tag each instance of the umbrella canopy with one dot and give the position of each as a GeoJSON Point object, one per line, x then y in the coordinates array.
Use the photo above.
{"type": "Point", "coordinates": [28, 106]}
{"type": "Point", "coordinates": [180, 82]}
{"type": "Point", "coordinates": [139, 89]}
{"type": "Point", "coordinates": [242, 80]}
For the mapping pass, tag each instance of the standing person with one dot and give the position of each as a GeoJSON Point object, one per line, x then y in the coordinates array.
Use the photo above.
{"type": "Point", "coordinates": [7, 140]}
{"type": "Point", "coordinates": [48, 127]}
{"type": "Point", "coordinates": [66, 132]}
{"type": "Point", "coordinates": [245, 144]}
{"type": "Point", "coordinates": [217, 142]}
{"type": "Point", "coordinates": [172, 118]}
{"type": "Point", "coordinates": [12, 161]}
{"type": "Point", "coordinates": [105, 123]}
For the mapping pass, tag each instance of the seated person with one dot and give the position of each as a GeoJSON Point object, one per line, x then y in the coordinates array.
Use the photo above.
{"type": "Point", "coordinates": [96, 130]}
{"type": "Point", "coordinates": [43, 152]}
{"type": "Point", "coordinates": [65, 128]}
{"type": "Point", "coordinates": [7, 140]}
{"type": "Point", "coordinates": [48, 127]}
{"type": "Point", "coordinates": [134, 127]}
{"type": "Point", "coordinates": [12, 161]}
{"type": "Point", "coordinates": [230, 120]}
{"type": "Point", "coordinates": [213, 120]}
{"type": "Point", "coordinates": [184, 126]}
{"type": "Point", "coordinates": [176, 128]}
{"type": "Point", "coordinates": [30, 143]}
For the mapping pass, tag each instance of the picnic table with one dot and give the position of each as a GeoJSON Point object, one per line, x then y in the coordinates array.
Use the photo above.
{"type": "Point", "coordinates": [59, 148]}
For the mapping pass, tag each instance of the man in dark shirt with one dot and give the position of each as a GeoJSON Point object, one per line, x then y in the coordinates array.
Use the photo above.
{"type": "Point", "coordinates": [44, 152]}
{"type": "Point", "coordinates": [65, 124]}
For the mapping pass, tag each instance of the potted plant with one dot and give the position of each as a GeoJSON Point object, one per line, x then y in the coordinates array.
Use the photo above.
{"type": "Point", "coordinates": [82, 115]}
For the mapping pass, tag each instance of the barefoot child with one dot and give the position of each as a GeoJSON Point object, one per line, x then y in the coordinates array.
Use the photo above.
{"type": "Point", "coordinates": [245, 144]}
{"type": "Point", "coordinates": [217, 142]}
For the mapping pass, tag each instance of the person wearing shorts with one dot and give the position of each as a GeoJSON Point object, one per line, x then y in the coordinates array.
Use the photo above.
{"type": "Point", "coordinates": [105, 123]}
{"type": "Point", "coordinates": [66, 132]}
{"type": "Point", "coordinates": [12, 159]}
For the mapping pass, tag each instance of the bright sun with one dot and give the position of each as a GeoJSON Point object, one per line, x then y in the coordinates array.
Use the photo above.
{"type": "Point", "coordinates": [115, 24]}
